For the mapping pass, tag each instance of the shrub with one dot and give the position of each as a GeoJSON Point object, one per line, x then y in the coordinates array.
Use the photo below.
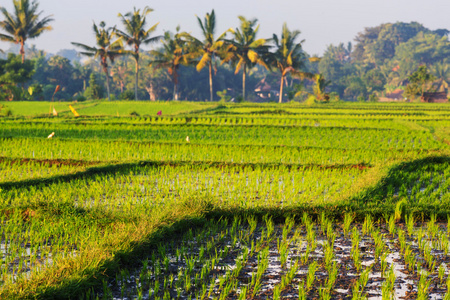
{"type": "Point", "coordinates": [81, 98]}
{"type": "Point", "coordinates": [127, 95]}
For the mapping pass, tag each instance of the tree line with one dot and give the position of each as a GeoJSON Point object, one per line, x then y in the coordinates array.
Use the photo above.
{"type": "Point", "coordinates": [183, 66]}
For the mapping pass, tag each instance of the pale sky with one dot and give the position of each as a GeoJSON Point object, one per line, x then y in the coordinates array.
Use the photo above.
{"type": "Point", "coordinates": [321, 22]}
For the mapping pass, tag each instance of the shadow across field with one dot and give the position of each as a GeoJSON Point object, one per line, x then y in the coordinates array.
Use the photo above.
{"type": "Point", "coordinates": [125, 168]}
{"type": "Point", "coordinates": [374, 200]}
{"type": "Point", "coordinates": [385, 195]}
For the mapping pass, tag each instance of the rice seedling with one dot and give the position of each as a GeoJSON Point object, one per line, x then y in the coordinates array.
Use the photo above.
{"type": "Point", "coordinates": [348, 219]}
{"type": "Point", "coordinates": [311, 275]}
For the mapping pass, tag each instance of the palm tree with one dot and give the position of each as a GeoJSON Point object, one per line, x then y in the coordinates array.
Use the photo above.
{"type": "Point", "coordinates": [119, 73]}
{"type": "Point", "coordinates": [289, 56]}
{"type": "Point", "coordinates": [135, 34]}
{"type": "Point", "coordinates": [107, 49]}
{"type": "Point", "coordinates": [171, 56]}
{"type": "Point", "coordinates": [442, 73]}
{"type": "Point", "coordinates": [209, 48]}
{"type": "Point", "coordinates": [319, 87]}
{"type": "Point", "coordinates": [23, 24]}
{"type": "Point", "coordinates": [245, 50]}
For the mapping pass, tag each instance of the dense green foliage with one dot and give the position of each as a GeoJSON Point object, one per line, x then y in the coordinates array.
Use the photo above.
{"type": "Point", "coordinates": [384, 57]}
{"type": "Point", "coordinates": [382, 60]}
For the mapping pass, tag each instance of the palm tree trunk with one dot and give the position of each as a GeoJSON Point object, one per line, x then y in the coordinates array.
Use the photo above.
{"type": "Point", "coordinates": [210, 82]}
{"type": "Point", "coordinates": [243, 82]}
{"type": "Point", "coordinates": [280, 99]}
{"type": "Point", "coordinates": [175, 91]}
{"type": "Point", "coordinates": [22, 50]}
{"type": "Point", "coordinates": [136, 79]}
{"type": "Point", "coordinates": [105, 69]}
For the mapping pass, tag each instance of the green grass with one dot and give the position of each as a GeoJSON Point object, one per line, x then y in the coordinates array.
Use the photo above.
{"type": "Point", "coordinates": [107, 189]}
{"type": "Point", "coordinates": [96, 108]}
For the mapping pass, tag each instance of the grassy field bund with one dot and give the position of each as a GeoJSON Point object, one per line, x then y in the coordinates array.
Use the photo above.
{"type": "Point", "coordinates": [225, 201]}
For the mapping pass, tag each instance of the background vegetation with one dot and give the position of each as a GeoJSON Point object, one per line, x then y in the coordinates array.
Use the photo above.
{"type": "Point", "coordinates": [220, 66]}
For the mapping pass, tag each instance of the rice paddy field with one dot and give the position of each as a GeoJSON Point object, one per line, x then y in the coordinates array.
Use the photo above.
{"type": "Point", "coordinates": [225, 201]}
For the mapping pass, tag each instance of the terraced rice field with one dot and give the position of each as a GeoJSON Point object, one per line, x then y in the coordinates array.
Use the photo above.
{"type": "Point", "coordinates": [227, 202]}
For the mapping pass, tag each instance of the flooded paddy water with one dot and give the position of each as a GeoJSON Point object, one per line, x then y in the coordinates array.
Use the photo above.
{"type": "Point", "coordinates": [299, 259]}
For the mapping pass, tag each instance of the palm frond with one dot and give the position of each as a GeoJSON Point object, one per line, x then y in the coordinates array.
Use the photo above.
{"type": "Point", "coordinates": [204, 61]}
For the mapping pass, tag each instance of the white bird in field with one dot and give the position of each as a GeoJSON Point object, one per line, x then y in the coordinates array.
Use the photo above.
{"type": "Point", "coordinates": [187, 139]}
{"type": "Point", "coordinates": [51, 135]}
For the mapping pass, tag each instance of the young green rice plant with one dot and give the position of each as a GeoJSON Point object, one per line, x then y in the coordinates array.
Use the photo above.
{"type": "Point", "coordinates": [328, 252]}
{"type": "Point", "coordinates": [428, 257]}
{"type": "Point", "coordinates": [410, 222]}
{"type": "Point", "coordinates": [357, 291]}
{"type": "Point", "coordinates": [388, 286]}
{"type": "Point", "coordinates": [421, 239]}
{"type": "Point", "coordinates": [283, 250]}
{"type": "Point", "coordinates": [448, 224]}
{"type": "Point", "coordinates": [409, 257]}
{"type": "Point", "coordinates": [348, 219]}
{"type": "Point", "coordinates": [263, 263]}
{"type": "Point", "coordinates": [399, 209]}
{"type": "Point", "coordinates": [367, 225]}
{"type": "Point", "coordinates": [311, 275]}
{"type": "Point", "coordinates": [286, 280]}
{"type": "Point", "coordinates": [364, 277]}
{"type": "Point", "coordinates": [423, 286]}
{"type": "Point", "coordinates": [384, 264]}
{"type": "Point", "coordinates": [311, 236]}
{"type": "Point", "coordinates": [331, 234]}
{"type": "Point", "coordinates": [333, 271]}
{"type": "Point", "coordinates": [443, 242]}
{"type": "Point", "coordinates": [441, 273]}
{"type": "Point", "coordinates": [356, 256]}
{"type": "Point", "coordinates": [270, 227]}
{"type": "Point", "coordinates": [305, 255]}
{"type": "Point", "coordinates": [391, 225]}
{"type": "Point", "coordinates": [432, 227]}
{"type": "Point", "coordinates": [401, 240]}
{"type": "Point", "coordinates": [324, 294]}
{"type": "Point", "coordinates": [356, 238]}
{"type": "Point", "coordinates": [323, 222]}
{"type": "Point", "coordinates": [242, 294]}
{"type": "Point", "coordinates": [302, 293]}
{"type": "Point", "coordinates": [379, 244]}
{"type": "Point", "coordinates": [447, 293]}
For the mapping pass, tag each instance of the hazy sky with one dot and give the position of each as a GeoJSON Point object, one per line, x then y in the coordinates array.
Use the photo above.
{"type": "Point", "coordinates": [321, 22]}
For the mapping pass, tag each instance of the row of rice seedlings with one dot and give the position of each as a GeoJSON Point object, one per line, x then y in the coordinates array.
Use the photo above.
{"type": "Point", "coordinates": [30, 243]}
{"type": "Point", "coordinates": [12, 171]}
{"type": "Point", "coordinates": [147, 188]}
{"type": "Point", "coordinates": [322, 137]}
{"type": "Point", "coordinates": [418, 184]}
{"type": "Point", "coordinates": [193, 269]}
{"type": "Point", "coordinates": [250, 260]}
{"type": "Point", "coordinates": [90, 150]}
{"type": "Point", "coordinates": [301, 118]}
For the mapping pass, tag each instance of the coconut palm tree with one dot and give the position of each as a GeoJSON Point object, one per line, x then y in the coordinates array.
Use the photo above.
{"type": "Point", "coordinates": [171, 56]}
{"type": "Point", "coordinates": [135, 35]}
{"type": "Point", "coordinates": [441, 71]}
{"type": "Point", "coordinates": [289, 56]}
{"type": "Point", "coordinates": [23, 24]}
{"type": "Point", "coordinates": [320, 83]}
{"type": "Point", "coordinates": [245, 49]}
{"type": "Point", "coordinates": [209, 48]}
{"type": "Point", "coordinates": [107, 49]}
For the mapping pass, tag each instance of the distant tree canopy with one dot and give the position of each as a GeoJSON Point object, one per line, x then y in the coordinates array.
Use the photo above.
{"type": "Point", "coordinates": [13, 73]}
{"type": "Point", "coordinates": [384, 57]}
{"type": "Point", "coordinates": [181, 67]}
